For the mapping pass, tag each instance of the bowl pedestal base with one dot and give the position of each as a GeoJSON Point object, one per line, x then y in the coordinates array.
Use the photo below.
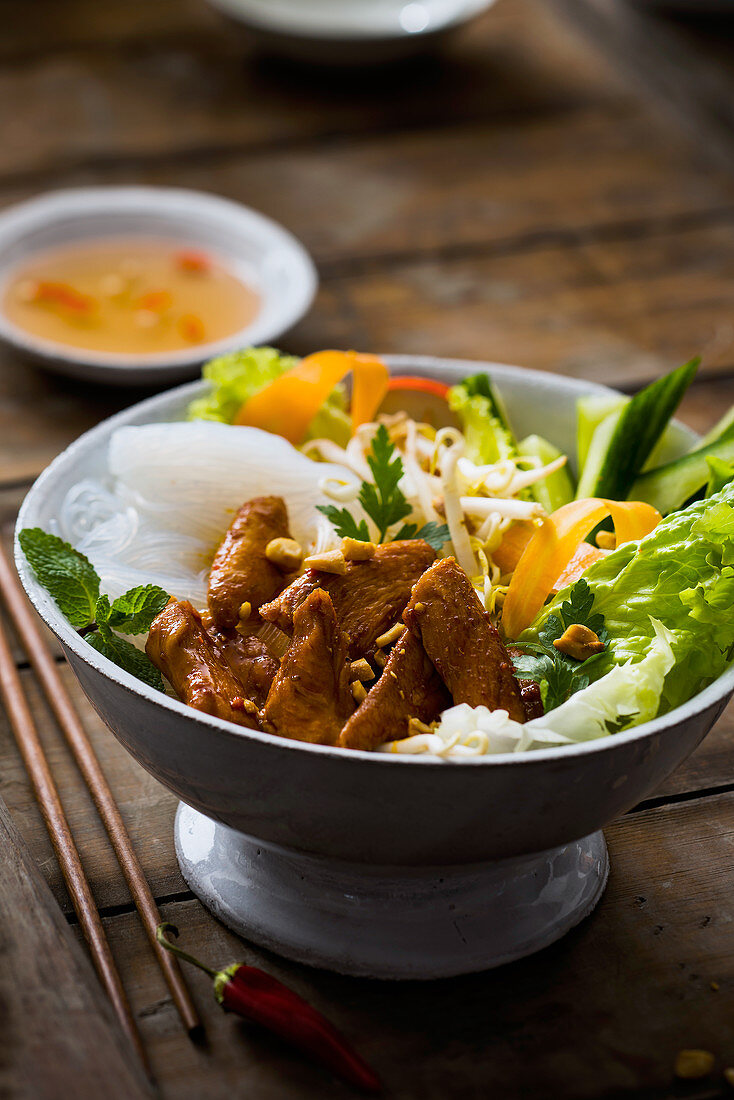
{"type": "Point", "coordinates": [389, 922]}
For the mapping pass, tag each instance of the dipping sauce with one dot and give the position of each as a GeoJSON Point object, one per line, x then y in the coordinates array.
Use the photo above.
{"type": "Point", "coordinates": [131, 296]}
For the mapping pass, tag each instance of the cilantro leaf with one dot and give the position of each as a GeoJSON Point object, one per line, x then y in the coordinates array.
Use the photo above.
{"type": "Point", "coordinates": [558, 675]}
{"type": "Point", "coordinates": [435, 534]}
{"type": "Point", "coordinates": [383, 501]}
{"type": "Point", "coordinates": [134, 611]}
{"type": "Point", "coordinates": [126, 656]}
{"type": "Point", "coordinates": [344, 522]}
{"type": "Point", "coordinates": [68, 576]}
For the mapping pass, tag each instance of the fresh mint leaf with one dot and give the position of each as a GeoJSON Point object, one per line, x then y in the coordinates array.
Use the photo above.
{"type": "Point", "coordinates": [344, 522]}
{"type": "Point", "coordinates": [102, 610]}
{"type": "Point", "coordinates": [435, 534]}
{"type": "Point", "coordinates": [383, 501]}
{"type": "Point", "coordinates": [126, 656]}
{"type": "Point", "coordinates": [66, 574]}
{"type": "Point", "coordinates": [134, 611]}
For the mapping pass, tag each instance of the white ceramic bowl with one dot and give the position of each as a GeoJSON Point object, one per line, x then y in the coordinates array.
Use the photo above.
{"type": "Point", "coordinates": [262, 253]}
{"type": "Point", "coordinates": [349, 32]}
{"type": "Point", "coordinates": [320, 882]}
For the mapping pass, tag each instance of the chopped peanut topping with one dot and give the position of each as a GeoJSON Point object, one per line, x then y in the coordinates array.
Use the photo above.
{"type": "Point", "coordinates": [361, 670]}
{"type": "Point", "coordinates": [692, 1064]}
{"type": "Point", "coordinates": [285, 554]}
{"type": "Point", "coordinates": [579, 642]}
{"type": "Point", "coordinates": [330, 561]}
{"type": "Point", "coordinates": [605, 540]}
{"type": "Point", "coordinates": [245, 610]}
{"type": "Point", "coordinates": [359, 691]}
{"type": "Point", "coordinates": [390, 635]}
{"type": "Point", "coordinates": [354, 550]}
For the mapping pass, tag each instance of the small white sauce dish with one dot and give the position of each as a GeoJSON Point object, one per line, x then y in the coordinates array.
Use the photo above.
{"type": "Point", "coordinates": [350, 32]}
{"type": "Point", "coordinates": [264, 255]}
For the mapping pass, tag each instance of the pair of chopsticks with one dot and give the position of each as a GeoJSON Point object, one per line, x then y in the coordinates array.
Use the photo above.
{"type": "Point", "coordinates": [47, 795]}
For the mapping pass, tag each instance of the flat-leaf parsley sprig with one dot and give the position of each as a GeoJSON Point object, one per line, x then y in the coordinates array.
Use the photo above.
{"type": "Point", "coordinates": [383, 501]}
{"type": "Point", "coordinates": [558, 675]}
{"type": "Point", "coordinates": [71, 579]}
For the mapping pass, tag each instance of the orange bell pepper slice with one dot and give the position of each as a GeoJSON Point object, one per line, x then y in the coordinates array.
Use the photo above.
{"type": "Point", "coordinates": [553, 546]}
{"type": "Point", "coordinates": [289, 403]}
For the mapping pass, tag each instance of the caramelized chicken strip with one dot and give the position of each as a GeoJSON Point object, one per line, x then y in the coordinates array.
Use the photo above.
{"type": "Point", "coordinates": [445, 612]}
{"type": "Point", "coordinates": [248, 658]}
{"type": "Point", "coordinates": [409, 687]}
{"type": "Point", "coordinates": [182, 650]}
{"type": "Point", "coordinates": [531, 699]}
{"type": "Point", "coordinates": [368, 598]}
{"type": "Point", "coordinates": [310, 698]}
{"type": "Point", "coordinates": [529, 690]}
{"type": "Point", "coordinates": [241, 573]}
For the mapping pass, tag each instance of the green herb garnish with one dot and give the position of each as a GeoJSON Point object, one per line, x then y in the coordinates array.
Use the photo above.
{"type": "Point", "coordinates": [558, 675]}
{"type": "Point", "coordinates": [71, 579]}
{"type": "Point", "coordinates": [383, 501]}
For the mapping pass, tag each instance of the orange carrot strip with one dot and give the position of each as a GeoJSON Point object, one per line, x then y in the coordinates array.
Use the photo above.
{"type": "Point", "coordinates": [192, 328]}
{"type": "Point", "coordinates": [65, 295]}
{"type": "Point", "coordinates": [553, 545]}
{"type": "Point", "coordinates": [288, 404]}
{"type": "Point", "coordinates": [585, 555]}
{"type": "Point", "coordinates": [156, 300]}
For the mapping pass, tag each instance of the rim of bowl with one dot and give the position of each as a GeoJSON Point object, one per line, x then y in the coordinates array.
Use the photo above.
{"type": "Point", "coordinates": [716, 692]}
{"type": "Point", "coordinates": [20, 219]}
{"type": "Point", "coordinates": [296, 22]}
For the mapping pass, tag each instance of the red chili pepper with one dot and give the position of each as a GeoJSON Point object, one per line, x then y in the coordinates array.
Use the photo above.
{"type": "Point", "coordinates": [264, 1000]}
{"type": "Point", "coordinates": [190, 260]}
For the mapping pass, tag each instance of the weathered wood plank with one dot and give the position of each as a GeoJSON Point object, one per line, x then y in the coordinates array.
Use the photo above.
{"type": "Point", "coordinates": [59, 1033]}
{"type": "Point", "coordinates": [603, 1012]}
{"type": "Point", "coordinates": [686, 65]}
{"type": "Point", "coordinates": [159, 100]}
{"type": "Point", "coordinates": [617, 311]}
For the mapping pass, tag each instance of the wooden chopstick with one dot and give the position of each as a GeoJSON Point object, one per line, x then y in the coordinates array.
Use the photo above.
{"type": "Point", "coordinates": [88, 764]}
{"type": "Point", "coordinates": [67, 854]}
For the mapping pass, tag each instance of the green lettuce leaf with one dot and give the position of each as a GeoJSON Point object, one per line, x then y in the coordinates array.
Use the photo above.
{"type": "Point", "coordinates": [486, 431]}
{"type": "Point", "coordinates": [235, 377]}
{"type": "Point", "coordinates": [682, 574]}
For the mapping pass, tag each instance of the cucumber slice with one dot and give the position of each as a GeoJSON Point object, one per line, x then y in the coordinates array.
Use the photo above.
{"type": "Point", "coordinates": [624, 440]}
{"type": "Point", "coordinates": [721, 430]}
{"type": "Point", "coordinates": [670, 486]}
{"type": "Point", "coordinates": [556, 489]}
{"type": "Point", "coordinates": [590, 411]}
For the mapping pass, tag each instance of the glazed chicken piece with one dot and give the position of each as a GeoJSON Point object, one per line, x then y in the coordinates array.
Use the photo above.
{"type": "Point", "coordinates": [409, 687]}
{"type": "Point", "coordinates": [445, 613]}
{"type": "Point", "coordinates": [248, 658]}
{"type": "Point", "coordinates": [368, 598]}
{"type": "Point", "coordinates": [179, 646]}
{"type": "Point", "coordinates": [240, 571]}
{"type": "Point", "coordinates": [310, 698]}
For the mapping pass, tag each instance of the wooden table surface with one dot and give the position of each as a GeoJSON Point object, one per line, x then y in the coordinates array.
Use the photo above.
{"type": "Point", "coordinates": [515, 200]}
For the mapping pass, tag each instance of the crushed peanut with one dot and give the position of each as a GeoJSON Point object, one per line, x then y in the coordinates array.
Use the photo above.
{"type": "Point", "coordinates": [605, 540]}
{"type": "Point", "coordinates": [245, 610]}
{"type": "Point", "coordinates": [359, 692]}
{"type": "Point", "coordinates": [715, 987]}
{"type": "Point", "coordinates": [354, 550]}
{"type": "Point", "coordinates": [329, 561]}
{"type": "Point", "coordinates": [690, 1065]}
{"type": "Point", "coordinates": [361, 670]}
{"type": "Point", "coordinates": [285, 554]}
{"type": "Point", "coordinates": [390, 635]}
{"type": "Point", "coordinates": [418, 607]}
{"type": "Point", "coordinates": [579, 642]}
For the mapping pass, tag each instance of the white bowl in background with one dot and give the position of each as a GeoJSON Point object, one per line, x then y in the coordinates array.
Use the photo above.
{"type": "Point", "coordinates": [369, 863]}
{"type": "Point", "coordinates": [348, 32]}
{"type": "Point", "coordinates": [263, 254]}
